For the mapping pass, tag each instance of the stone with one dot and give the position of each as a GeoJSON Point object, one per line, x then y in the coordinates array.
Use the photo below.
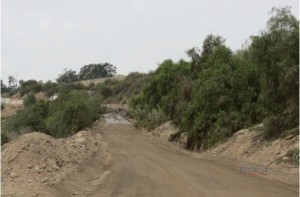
{"type": "Point", "coordinates": [29, 166]}
{"type": "Point", "coordinates": [285, 158]}
{"type": "Point", "coordinates": [55, 167]}
{"type": "Point", "coordinates": [43, 166]}
{"type": "Point", "coordinates": [13, 175]}
{"type": "Point", "coordinates": [44, 180]}
{"type": "Point", "coordinates": [36, 168]}
{"type": "Point", "coordinates": [29, 180]}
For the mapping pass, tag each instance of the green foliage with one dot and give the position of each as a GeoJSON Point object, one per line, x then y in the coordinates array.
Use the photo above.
{"type": "Point", "coordinates": [4, 138]}
{"type": "Point", "coordinates": [65, 88]}
{"type": "Point", "coordinates": [29, 100]}
{"type": "Point", "coordinates": [69, 113]}
{"type": "Point", "coordinates": [94, 71]}
{"type": "Point", "coordinates": [31, 117]}
{"type": "Point", "coordinates": [220, 92]}
{"type": "Point", "coordinates": [4, 88]}
{"type": "Point", "coordinates": [68, 76]}
{"type": "Point", "coordinates": [50, 88]}
{"type": "Point", "coordinates": [164, 88]}
{"type": "Point", "coordinates": [30, 86]}
{"type": "Point", "coordinates": [149, 119]}
{"type": "Point", "coordinates": [276, 53]}
{"type": "Point", "coordinates": [275, 125]}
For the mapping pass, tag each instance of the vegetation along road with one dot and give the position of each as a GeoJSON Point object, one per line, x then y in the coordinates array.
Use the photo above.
{"type": "Point", "coordinates": [143, 167]}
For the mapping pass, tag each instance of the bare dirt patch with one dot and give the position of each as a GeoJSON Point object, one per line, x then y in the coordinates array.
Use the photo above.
{"type": "Point", "coordinates": [101, 80]}
{"type": "Point", "coordinates": [36, 164]}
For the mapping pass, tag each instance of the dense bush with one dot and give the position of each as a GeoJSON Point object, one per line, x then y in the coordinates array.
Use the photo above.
{"type": "Point", "coordinates": [69, 113]}
{"type": "Point", "coordinates": [30, 86]}
{"type": "Point", "coordinates": [50, 88]}
{"type": "Point", "coordinates": [31, 117]}
{"type": "Point", "coordinates": [29, 100]}
{"type": "Point", "coordinates": [149, 119]}
{"type": "Point", "coordinates": [219, 92]}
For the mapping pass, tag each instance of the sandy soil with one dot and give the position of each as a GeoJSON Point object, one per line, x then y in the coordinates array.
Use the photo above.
{"type": "Point", "coordinates": [36, 164]}
{"type": "Point", "coordinates": [115, 159]}
{"type": "Point", "coordinates": [145, 167]}
{"type": "Point", "coordinates": [246, 148]}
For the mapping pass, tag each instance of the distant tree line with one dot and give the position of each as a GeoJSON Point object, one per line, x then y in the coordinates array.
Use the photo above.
{"type": "Point", "coordinates": [90, 71]}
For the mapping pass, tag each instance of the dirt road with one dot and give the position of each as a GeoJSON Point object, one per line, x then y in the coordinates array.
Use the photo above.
{"type": "Point", "coordinates": [143, 167]}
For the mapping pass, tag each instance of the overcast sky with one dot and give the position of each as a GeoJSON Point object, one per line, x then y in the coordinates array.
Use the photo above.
{"type": "Point", "coordinates": [39, 38]}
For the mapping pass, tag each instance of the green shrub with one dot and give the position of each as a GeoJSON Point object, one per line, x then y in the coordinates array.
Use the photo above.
{"type": "Point", "coordinates": [276, 124]}
{"type": "Point", "coordinates": [31, 117]}
{"type": "Point", "coordinates": [69, 113]}
{"type": "Point", "coordinates": [72, 112]}
{"type": "Point", "coordinates": [30, 100]}
{"type": "Point", "coordinates": [50, 88]}
{"type": "Point", "coordinates": [4, 138]}
{"type": "Point", "coordinates": [149, 119]}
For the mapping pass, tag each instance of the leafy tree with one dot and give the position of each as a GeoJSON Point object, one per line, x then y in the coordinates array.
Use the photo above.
{"type": "Point", "coordinates": [276, 53]}
{"type": "Point", "coordinates": [93, 71]}
{"type": "Point", "coordinates": [50, 88]}
{"type": "Point", "coordinates": [30, 86]}
{"type": "Point", "coordinates": [12, 82]}
{"type": "Point", "coordinates": [4, 88]}
{"type": "Point", "coordinates": [68, 76]}
{"type": "Point", "coordinates": [199, 57]}
{"type": "Point", "coordinates": [29, 100]}
{"type": "Point", "coordinates": [70, 113]}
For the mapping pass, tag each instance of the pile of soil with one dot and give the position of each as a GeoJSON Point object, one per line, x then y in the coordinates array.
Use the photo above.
{"type": "Point", "coordinates": [36, 161]}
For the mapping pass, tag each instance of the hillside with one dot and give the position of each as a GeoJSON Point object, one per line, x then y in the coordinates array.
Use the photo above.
{"type": "Point", "coordinates": [86, 83]}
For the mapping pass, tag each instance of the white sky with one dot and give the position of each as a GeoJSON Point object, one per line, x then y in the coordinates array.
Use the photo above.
{"type": "Point", "coordinates": [41, 37]}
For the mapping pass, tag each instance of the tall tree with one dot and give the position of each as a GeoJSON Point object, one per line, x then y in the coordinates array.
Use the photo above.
{"type": "Point", "coordinates": [11, 81]}
{"type": "Point", "coordinates": [67, 76]}
{"type": "Point", "coordinates": [276, 52]}
{"type": "Point", "coordinates": [93, 71]}
{"type": "Point", "coordinates": [3, 87]}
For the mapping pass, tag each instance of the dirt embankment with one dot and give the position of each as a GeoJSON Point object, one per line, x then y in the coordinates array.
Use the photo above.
{"type": "Point", "coordinates": [36, 164]}
{"type": "Point", "coordinates": [246, 148]}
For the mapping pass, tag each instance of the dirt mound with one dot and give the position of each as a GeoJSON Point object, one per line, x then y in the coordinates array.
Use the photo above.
{"type": "Point", "coordinates": [37, 160]}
